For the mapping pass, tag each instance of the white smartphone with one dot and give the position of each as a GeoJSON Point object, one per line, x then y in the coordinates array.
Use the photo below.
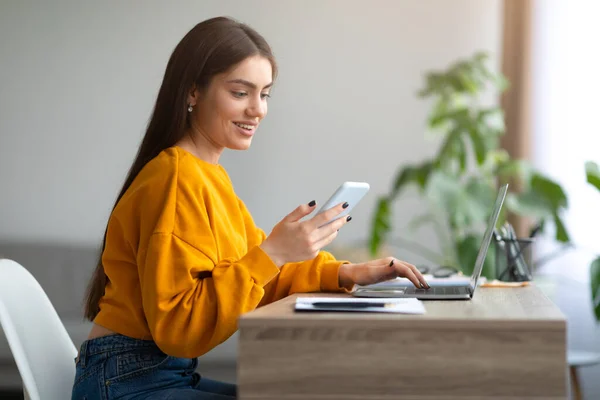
{"type": "Point", "coordinates": [350, 192]}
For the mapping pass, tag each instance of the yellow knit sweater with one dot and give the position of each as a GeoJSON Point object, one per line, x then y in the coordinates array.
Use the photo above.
{"type": "Point", "coordinates": [183, 259]}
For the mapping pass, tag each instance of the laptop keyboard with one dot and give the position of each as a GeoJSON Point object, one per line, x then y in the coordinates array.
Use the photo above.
{"type": "Point", "coordinates": [440, 290]}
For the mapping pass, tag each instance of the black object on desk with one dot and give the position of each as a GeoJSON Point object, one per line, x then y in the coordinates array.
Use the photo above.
{"type": "Point", "coordinates": [511, 263]}
{"type": "Point", "coordinates": [332, 304]}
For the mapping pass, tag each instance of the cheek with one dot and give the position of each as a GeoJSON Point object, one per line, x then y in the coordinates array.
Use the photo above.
{"type": "Point", "coordinates": [229, 108]}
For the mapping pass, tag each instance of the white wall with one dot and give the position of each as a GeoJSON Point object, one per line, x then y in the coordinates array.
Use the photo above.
{"type": "Point", "coordinates": [79, 80]}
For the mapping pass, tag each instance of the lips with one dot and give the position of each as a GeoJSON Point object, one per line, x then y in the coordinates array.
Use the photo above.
{"type": "Point", "coordinates": [245, 129]}
{"type": "Point", "coordinates": [245, 126]}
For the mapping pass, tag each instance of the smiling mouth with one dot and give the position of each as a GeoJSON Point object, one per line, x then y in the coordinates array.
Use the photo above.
{"type": "Point", "coordinates": [245, 126]}
{"type": "Point", "coordinates": [249, 129]}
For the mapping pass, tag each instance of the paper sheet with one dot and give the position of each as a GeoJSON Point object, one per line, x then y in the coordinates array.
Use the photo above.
{"type": "Point", "coordinates": [351, 304]}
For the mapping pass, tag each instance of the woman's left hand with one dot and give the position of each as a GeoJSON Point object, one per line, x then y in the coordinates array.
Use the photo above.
{"type": "Point", "coordinates": [378, 271]}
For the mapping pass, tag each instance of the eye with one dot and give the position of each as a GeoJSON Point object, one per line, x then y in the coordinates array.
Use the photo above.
{"type": "Point", "coordinates": [265, 95]}
{"type": "Point", "coordinates": [239, 94]}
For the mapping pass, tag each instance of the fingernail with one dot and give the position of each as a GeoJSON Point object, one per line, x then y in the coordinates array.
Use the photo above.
{"type": "Point", "coordinates": [348, 219]}
{"type": "Point", "coordinates": [422, 286]}
{"type": "Point", "coordinates": [392, 263]}
{"type": "Point", "coordinates": [312, 203]}
{"type": "Point", "coordinates": [345, 205]}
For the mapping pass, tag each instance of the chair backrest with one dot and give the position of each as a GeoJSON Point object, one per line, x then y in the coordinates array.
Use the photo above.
{"type": "Point", "coordinates": [39, 342]}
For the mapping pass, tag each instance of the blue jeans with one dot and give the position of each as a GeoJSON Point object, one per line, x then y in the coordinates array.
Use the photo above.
{"type": "Point", "coordinates": [119, 367]}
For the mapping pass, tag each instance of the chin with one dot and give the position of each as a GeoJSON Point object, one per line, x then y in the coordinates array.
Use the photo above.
{"type": "Point", "coordinates": [241, 145]}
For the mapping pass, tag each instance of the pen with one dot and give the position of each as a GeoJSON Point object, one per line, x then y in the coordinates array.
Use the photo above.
{"type": "Point", "coordinates": [350, 305]}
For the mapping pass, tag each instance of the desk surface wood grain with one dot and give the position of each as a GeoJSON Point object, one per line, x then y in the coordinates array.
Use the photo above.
{"type": "Point", "coordinates": [504, 343]}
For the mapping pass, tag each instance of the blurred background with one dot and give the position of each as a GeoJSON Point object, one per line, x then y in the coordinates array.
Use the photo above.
{"type": "Point", "coordinates": [78, 81]}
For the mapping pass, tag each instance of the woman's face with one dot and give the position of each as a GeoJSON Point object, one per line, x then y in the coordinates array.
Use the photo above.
{"type": "Point", "coordinates": [228, 112]}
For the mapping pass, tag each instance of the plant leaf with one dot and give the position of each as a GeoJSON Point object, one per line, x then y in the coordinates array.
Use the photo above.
{"type": "Point", "coordinates": [531, 204]}
{"type": "Point", "coordinates": [491, 120]}
{"type": "Point", "coordinates": [447, 151]}
{"type": "Point", "coordinates": [561, 231]}
{"type": "Point", "coordinates": [482, 192]}
{"type": "Point", "coordinates": [417, 174]}
{"type": "Point", "coordinates": [381, 225]}
{"type": "Point", "coordinates": [528, 204]}
{"type": "Point", "coordinates": [423, 174]}
{"type": "Point", "coordinates": [481, 56]}
{"type": "Point", "coordinates": [595, 283]}
{"type": "Point", "coordinates": [478, 145]}
{"type": "Point", "coordinates": [444, 115]}
{"type": "Point", "coordinates": [549, 190]}
{"type": "Point", "coordinates": [592, 171]}
{"type": "Point", "coordinates": [468, 83]}
{"type": "Point", "coordinates": [516, 169]}
{"type": "Point", "coordinates": [460, 203]}
{"type": "Point", "coordinates": [462, 154]}
{"type": "Point", "coordinates": [467, 250]}
{"type": "Point", "coordinates": [407, 175]}
{"type": "Point", "coordinates": [434, 83]}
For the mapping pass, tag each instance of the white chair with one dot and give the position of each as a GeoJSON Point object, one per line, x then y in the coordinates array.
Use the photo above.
{"type": "Point", "coordinates": [576, 360]}
{"type": "Point", "coordinates": [42, 349]}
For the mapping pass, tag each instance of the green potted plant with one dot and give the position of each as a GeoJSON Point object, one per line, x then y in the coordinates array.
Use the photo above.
{"type": "Point", "coordinates": [593, 177]}
{"type": "Point", "coordinates": [459, 183]}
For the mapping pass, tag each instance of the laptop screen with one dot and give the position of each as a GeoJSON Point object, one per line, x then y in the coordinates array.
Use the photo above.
{"type": "Point", "coordinates": [487, 237]}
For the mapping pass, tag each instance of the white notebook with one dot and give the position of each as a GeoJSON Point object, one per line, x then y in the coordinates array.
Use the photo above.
{"type": "Point", "coordinates": [350, 304]}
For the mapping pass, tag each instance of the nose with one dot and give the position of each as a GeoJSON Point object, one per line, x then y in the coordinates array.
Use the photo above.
{"type": "Point", "coordinates": [257, 109]}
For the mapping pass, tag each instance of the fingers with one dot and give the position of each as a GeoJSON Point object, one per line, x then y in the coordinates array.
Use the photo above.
{"type": "Point", "coordinates": [320, 238]}
{"type": "Point", "coordinates": [326, 240]}
{"type": "Point", "coordinates": [384, 261]}
{"type": "Point", "coordinates": [334, 226]}
{"type": "Point", "coordinates": [419, 276]}
{"type": "Point", "coordinates": [410, 272]}
{"type": "Point", "coordinates": [322, 218]}
{"type": "Point", "coordinates": [300, 212]}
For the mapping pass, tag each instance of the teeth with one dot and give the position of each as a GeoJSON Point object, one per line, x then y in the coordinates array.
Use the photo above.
{"type": "Point", "coordinates": [249, 127]}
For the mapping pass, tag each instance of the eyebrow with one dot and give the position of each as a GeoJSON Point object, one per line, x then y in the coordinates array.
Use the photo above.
{"type": "Point", "coordinates": [248, 84]}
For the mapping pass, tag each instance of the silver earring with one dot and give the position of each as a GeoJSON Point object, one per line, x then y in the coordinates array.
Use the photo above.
{"type": "Point", "coordinates": [190, 108]}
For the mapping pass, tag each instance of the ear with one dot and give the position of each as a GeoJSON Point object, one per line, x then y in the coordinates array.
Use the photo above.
{"type": "Point", "coordinates": [193, 96]}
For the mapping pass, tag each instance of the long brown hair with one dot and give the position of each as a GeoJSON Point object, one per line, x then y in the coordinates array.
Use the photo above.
{"type": "Point", "coordinates": [210, 48]}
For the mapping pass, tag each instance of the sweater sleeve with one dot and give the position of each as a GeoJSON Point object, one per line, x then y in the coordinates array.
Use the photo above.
{"type": "Point", "coordinates": [320, 274]}
{"type": "Point", "coordinates": [191, 304]}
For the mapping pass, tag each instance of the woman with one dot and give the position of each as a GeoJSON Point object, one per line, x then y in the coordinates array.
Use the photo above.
{"type": "Point", "coordinates": [182, 258]}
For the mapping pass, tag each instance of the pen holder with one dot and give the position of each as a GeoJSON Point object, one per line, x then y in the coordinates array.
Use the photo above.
{"type": "Point", "coordinates": [513, 259]}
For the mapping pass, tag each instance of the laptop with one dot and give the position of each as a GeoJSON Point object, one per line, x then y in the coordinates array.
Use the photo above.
{"type": "Point", "coordinates": [445, 290]}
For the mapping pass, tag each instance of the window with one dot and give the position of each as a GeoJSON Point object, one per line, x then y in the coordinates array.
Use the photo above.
{"type": "Point", "coordinates": [566, 119]}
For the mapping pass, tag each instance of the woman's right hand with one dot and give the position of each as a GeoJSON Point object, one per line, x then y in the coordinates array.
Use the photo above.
{"type": "Point", "coordinates": [293, 240]}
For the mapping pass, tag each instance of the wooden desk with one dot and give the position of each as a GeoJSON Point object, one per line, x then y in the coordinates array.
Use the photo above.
{"type": "Point", "coordinates": [505, 343]}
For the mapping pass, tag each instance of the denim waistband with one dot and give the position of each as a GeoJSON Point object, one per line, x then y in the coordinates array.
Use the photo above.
{"type": "Point", "coordinates": [112, 344]}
